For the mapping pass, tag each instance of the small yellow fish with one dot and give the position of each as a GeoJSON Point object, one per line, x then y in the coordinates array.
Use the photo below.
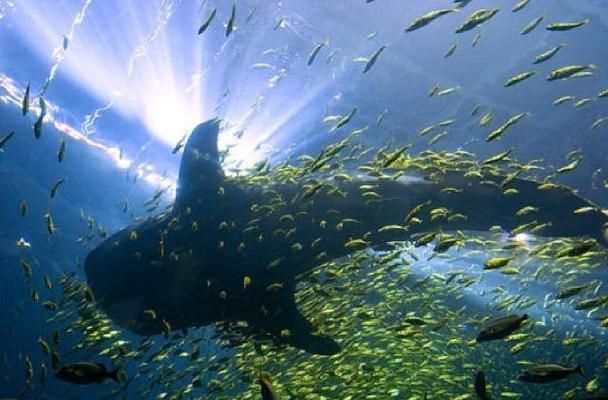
{"type": "Point", "coordinates": [496, 262]}
{"type": "Point", "coordinates": [246, 282]}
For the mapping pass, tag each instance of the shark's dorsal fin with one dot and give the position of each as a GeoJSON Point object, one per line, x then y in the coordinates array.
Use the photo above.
{"type": "Point", "coordinates": [200, 172]}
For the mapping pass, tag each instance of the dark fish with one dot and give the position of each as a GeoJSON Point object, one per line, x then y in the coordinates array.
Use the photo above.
{"type": "Point", "coordinates": [38, 123]}
{"type": "Point", "coordinates": [314, 52]}
{"type": "Point", "coordinates": [570, 291]}
{"type": "Point", "coordinates": [476, 109]}
{"type": "Point", "coordinates": [501, 328]}
{"type": "Point", "coordinates": [344, 120]}
{"type": "Point", "coordinates": [532, 25]}
{"type": "Point", "coordinates": [56, 337]}
{"type": "Point", "coordinates": [5, 139]}
{"type": "Point", "coordinates": [84, 373]}
{"type": "Point", "coordinates": [251, 14]}
{"type": "Point", "coordinates": [395, 156]}
{"type": "Point", "coordinates": [547, 373]}
{"type": "Point", "coordinates": [179, 144]}
{"type": "Point", "coordinates": [61, 152]}
{"type": "Point", "coordinates": [23, 208]}
{"type": "Point", "coordinates": [451, 50]}
{"type": "Point", "coordinates": [230, 25]}
{"type": "Point", "coordinates": [207, 22]}
{"type": "Point", "coordinates": [381, 117]}
{"type": "Point", "coordinates": [25, 106]}
{"type": "Point", "coordinates": [278, 24]}
{"type": "Point", "coordinates": [372, 60]}
{"type": "Point", "coordinates": [451, 278]}
{"type": "Point", "coordinates": [66, 42]}
{"type": "Point", "coordinates": [55, 361]}
{"type": "Point", "coordinates": [547, 54]}
{"type": "Point", "coordinates": [480, 386]}
{"type": "Point", "coordinates": [56, 187]}
{"type": "Point", "coordinates": [50, 224]}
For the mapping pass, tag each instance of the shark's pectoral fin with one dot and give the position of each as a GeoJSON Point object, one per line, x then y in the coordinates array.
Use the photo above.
{"type": "Point", "coordinates": [289, 326]}
{"type": "Point", "coordinates": [302, 336]}
{"type": "Point", "coordinates": [200, 173]}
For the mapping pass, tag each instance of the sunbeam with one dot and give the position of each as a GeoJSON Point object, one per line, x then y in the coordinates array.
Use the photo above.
{"type": "Point", "coordinates": [149, 69]}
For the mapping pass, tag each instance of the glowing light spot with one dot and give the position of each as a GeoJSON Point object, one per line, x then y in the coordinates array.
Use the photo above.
{"type": "Point", "coordinates": [169, 118]}
{"type": "Point", "coordinates": [123, 164]}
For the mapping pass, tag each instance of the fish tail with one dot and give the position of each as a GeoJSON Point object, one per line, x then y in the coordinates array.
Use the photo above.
{"type": "Point", "coordinates": [579, 369]}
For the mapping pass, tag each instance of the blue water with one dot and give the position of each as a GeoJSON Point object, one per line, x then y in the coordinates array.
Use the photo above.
{"type": "Point", "coordinates": [135, 78]}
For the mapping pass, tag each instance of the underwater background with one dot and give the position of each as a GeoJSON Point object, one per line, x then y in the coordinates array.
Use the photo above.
{"type": "Point", "coordinates": [124, 82]}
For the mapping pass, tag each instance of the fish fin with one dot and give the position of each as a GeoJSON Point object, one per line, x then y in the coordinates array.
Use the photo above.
{"type": "Point", "coordinates": [291, 327]}
{"type": "Point", "coordinates": [114, 375]}
{"type": "Point", "coordinates": [200, 173]}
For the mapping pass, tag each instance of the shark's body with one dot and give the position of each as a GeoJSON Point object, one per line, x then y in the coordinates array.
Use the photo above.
{"type": "Point", "coordinates": [225, 254]}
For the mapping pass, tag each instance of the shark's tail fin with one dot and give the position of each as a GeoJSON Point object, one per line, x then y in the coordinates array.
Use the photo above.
{"type": "Point", "coordinates": [484, 202]}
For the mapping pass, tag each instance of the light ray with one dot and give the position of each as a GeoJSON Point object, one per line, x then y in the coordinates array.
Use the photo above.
{"type": "Point", "coordinates": [13, 97]}
{"type": "Point", "coordinates": [60, 52]}
{"type": "Point", "coordinates": [167, 8]}
{"type": "Point", "coordinates": [149, 66]}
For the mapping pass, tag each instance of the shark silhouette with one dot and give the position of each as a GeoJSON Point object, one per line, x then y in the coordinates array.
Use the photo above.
{"type": "Point", "coordinates": [232, 252]}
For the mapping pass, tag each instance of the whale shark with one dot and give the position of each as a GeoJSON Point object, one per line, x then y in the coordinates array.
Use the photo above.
{"type": "Point", "coordinates": [233, 251]}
